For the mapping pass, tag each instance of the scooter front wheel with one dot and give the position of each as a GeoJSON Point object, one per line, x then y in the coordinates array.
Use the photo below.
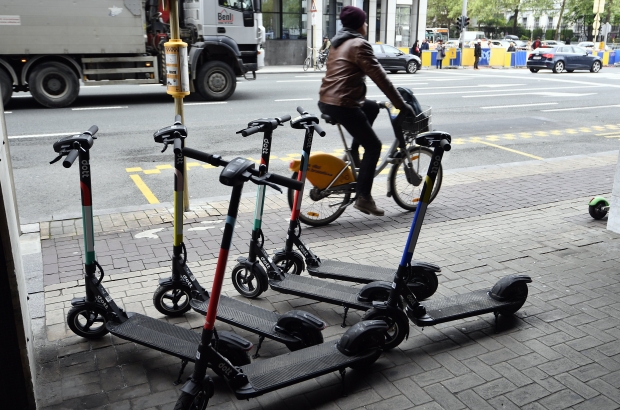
{"type": "Point", "coordinates": [293, 263]}
{"type": "Point", "coordinates": [397, 321]}
{"type": "Point", "coordinates": [597, 211]}
{"type": "Point", "coordinates": [87, 321]}
{"type": "Point", "coordinates": [172, 300]}
{"type": "Point", "coordinates": [187, 401]}
{"type": "Point", "coordinates": [250, 283]}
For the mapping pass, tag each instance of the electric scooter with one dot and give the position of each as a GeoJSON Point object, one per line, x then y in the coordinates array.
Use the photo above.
{"type": "Point", "coordinates": [358, 348]}
{"type": "Point", "coordinates": [423, 281]}
{"type": "Point", "coordinates": [296, 328]}
{"type": "Point", "coordinates": [384, 300]}
{"type": "Point", "coordinates": [96, 314]}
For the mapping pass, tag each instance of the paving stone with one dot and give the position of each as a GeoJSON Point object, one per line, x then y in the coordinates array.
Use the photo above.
{"type": "Point", "coordinates": [473, 401]}
{"type": "Point", "coordinates": [464, 382]}
{"type": "Point", "coordinates": [599, 403]}
{"type": "Point", "coordinates": [561, 400]}
{"type": "Point", "coordinates": [495, 388]}
{"type": "Point", "coordinates": [527, 394]}
{"type": "Point", "coordinates": [155, 399]}
{"type": "Point", "coordinates": [412, 391]}
{"type": "Point", "coordinates": [577, 386]}
{"type": "Point", "coordinates": [442, 396]}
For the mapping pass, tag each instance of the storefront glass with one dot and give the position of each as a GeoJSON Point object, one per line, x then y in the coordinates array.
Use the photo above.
{"type": "Point", "coordinates": [401, 32]}
{"type": "Point", "coordinates": [284, 19]}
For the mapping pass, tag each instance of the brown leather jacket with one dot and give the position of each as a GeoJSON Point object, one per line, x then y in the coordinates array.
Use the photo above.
{"type": "Point", "coordinates": [348, 65]}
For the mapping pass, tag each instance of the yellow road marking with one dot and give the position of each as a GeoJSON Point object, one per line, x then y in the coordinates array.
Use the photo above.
{"type": "Point", "coordinates": [165, 166]}
{"type": "Point", "coordinates": [148, 194]}
{"type": "Point", "coordinates": [136, 169]}
{"type": "Point", "coordinates": [607, 133]}
{"type": "Point", "coordinates": [509, 149]}
{"type": "Point", "coordinates": [152, 171]}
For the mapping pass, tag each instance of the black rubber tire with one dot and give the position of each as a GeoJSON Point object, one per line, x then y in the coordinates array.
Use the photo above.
{"type": "Point", "coordinates": [398, 325]}
{"type": "Point", "coordinates": [307, 63]}
{"type": "Point", "coordinates": [534, 70]}
{"type": "Point", "coordinates": [320, 64]}
{"type": "Point", "coordinates": [179, 292]}
{"type": "Point", "coordinates": [558, 67]}
{"type": "Point", "coordinates": [364, 364]}
{"type": "Point", "coordinates": [293, 264]}
{"type": "Point", "coordinates": [309, 337]}
{"type": "Point", "coordinates": [254, 288]}
{"type": "Point", "coordinates": [216, 81]}
{"type": "Point", "coordinates": [429, 283]}
{"type": "Point", "coordinates": [306, 199]}
{"type": "Point", "coordinates": [393, 71]}
{"type": "Point", "coordinates": [596, 67]}
{"type": "Point", "coordinates": [6, 87]}
{"type": "Point", "coordinates": [421, 165]}
{"type": "Point", "coordinates": [597, 211]}
{"type": "Point", "coordinates": [412, 67]}
{"type": "Point", "coordinates": [187, 401]}
{"type": "Point", "coordinates": [54, 85]}
{"type": "Point", "coordinates": [520, 292]}
{"type": "Point", "coordinates": [87, 314]}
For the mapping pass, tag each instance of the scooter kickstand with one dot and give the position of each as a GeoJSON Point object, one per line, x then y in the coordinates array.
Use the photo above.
{"type": "Point", "coordinates": [260, 343]}
{"type": "Point", "coordinates": [344, 319]}
{"type": "Point", "coordinates": [496, 314]}
{"type": "Point", "coordinates": [343, 372]}
{"type": "Point", "coordinates": [179, 381]}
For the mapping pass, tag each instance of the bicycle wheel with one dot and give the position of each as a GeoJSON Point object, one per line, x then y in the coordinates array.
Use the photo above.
{"type": "Point", "coordinates": [307, 63]}
{"type": "Point", "coordinates": [320, 63]}
{"type": "Point", "coordinates": [316, 209]}
{"type": "Point", "coordinates": [406, 194]}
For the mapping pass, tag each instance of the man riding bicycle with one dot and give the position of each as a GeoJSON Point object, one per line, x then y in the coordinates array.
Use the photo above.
{"type": "Point", "coordinates": [343, 97]}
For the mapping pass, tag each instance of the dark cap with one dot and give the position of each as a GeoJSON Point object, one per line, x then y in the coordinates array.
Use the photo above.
{"type": "Point", "coordinates": [352, 17]}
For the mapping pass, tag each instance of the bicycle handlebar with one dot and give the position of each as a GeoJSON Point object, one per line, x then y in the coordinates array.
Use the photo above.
{"type": "Point", "coordinates": [262, 123]}
{"type": "Point", "coordinates": [217, 161]}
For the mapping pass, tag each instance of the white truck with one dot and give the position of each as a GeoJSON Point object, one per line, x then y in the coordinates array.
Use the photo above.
{"type": "Point", "coordinates": [48, 47]}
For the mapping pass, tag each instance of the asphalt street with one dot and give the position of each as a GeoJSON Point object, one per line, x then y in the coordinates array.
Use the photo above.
{"type": "Point", "coordinates": [494, 116]}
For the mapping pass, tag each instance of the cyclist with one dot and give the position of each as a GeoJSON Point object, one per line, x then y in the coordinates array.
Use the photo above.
{"type": "Point", "coordinates": [343, 97]}
{"type": "Point", "coordinates": [326, 45]}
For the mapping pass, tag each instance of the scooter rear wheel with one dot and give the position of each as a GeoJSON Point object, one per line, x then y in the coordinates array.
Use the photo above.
{"type": "Point", "coordinates": [250, 284]}
{"type": "Point", "coordinates": [425, 285]}
{"type": "Point", "coordinates": [520, 291]}
{"type": "Point", "coordinates": [87, 321]}
{"type": "Point", "coordinates": [293, 263]}
{"type": "Point", "coordinates": [597, 211]}
{"type": "Point", "coordinates": [308, 337]}
{"type": "Point", "coordinates": [172, 300]}
{"type": "Point", "coordinates": [398, 325]}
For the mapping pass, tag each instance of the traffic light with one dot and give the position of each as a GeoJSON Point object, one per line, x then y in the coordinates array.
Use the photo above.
{"type": "Point", "coordinates": [465, 21]}
{"type": "Point", "coordinates": [459, 23]}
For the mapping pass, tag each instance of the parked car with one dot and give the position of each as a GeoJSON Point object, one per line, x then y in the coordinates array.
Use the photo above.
{"type": "Point", "coordinates": [590, 46]}
{"type": "Point", "coordinates": [499, 44]}
{"type": "Point", "coordinates": [563, 58]}
{"type": "Point", "coordinates": [511, 37]}
{"type": "Point", "coordinates": [520, 44]}
{"type": "Point", "coordinates": [394, 60]}
{"type": "Point", "coordinates": [549, 44]}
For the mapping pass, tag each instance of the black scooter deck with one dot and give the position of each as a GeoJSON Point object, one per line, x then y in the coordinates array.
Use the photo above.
{"type": "Point", "coordinates": [157, 334]}
{"type": "Point", "coordinates": [446, 309]}
{"type": "Point", "coordinates": [291, 368]}
{"type": "Point", "coordinates": [245, 316]}
{"type": "Point", "coordinates": [350, 272]}
{"type": "Point", "coordinates": [321, 290]}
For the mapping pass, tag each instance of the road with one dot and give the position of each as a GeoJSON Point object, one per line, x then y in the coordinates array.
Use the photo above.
{"type": "Point", "coordinates": [494, 116]}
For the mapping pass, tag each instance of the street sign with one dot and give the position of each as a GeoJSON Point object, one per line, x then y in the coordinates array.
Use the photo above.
{"type": "Point", "coordinates": [599, 6]}
{"type": "Point", "coordinates": [313, 10]}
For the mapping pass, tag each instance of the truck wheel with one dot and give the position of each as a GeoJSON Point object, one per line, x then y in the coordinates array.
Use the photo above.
{"type": "Point", "coordinates": [6, 87]}
{"type": "Point", "coordinates": [216, 81]}
{"type": "Point", "coordinates": [54, 85]}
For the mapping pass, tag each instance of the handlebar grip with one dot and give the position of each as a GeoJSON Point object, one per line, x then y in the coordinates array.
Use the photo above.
{"type": "Point", "coordinates": [319, 130]}
{"type": "Point", "coordinates": [204, 157]}
{"type": "Point", "coordinates": [445, 145]}
{"type": "Point", "coordinates": [284, 118]}
{"type": "Point", "coordinates": [301, 110]}
{"type": "Point", "coordinates": [177, 118]}
{"type": "Point", "coordinates": [178, 145]}
{"type": "Point", "coordinates": [252, 130]}
{"type": "Point", "coordinates": [285, 181]}
{"type": "Point", "coordinates": [70, 158]}
{"type": "Point", "coordinates": [93, 130]}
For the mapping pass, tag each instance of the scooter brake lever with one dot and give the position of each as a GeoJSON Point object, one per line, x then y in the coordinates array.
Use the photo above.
{"type": "Point", "coordinates": [165, 145]}
{"type": "Point", "coordinates": [261, 181]}
{"type": "Point", "coordinates": [58, 158]}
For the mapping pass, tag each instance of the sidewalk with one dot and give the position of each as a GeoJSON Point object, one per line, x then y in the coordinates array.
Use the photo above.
{"type": "Point", "coordinates": [560, 351]}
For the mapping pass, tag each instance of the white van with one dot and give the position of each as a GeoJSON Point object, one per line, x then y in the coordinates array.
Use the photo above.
{"type": "Point", "coordinates": [472, 35]}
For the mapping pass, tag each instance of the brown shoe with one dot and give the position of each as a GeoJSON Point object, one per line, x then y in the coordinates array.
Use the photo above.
{"type": "Point", "coordinates": [367, 206]}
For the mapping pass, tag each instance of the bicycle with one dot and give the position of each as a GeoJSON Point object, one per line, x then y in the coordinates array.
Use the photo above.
{"type": "Point", "coordinates": [319, 62]}
{"type": "Point", "coordinates": [332, 180]}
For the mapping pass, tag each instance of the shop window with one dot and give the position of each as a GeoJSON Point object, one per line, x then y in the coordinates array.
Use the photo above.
{"type": "Point", "coordinates": [284, 19]}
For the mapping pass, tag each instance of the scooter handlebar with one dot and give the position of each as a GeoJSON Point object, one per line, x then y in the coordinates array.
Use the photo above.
{"type": "Point", "coordinates": [70, 158]}
{"type": "Point", "coordinates": [178, 119]}
{"type": "Point", "coordinates": [284, 181]}
{"type": "Point", "coordinates": [283, 119]}
{"type": "Point", "coordinates": [93, 130]}
{"type": "Point", "coordinates": [178, 145]}
{"type": "Point", "coordinates": [214, 160]}
{"type": "Point", "coordinates": [445, 145]}
{"type": "Point", "coordinates": [301, 110]}
{"type": "Point", "coordinates": [319, 130]}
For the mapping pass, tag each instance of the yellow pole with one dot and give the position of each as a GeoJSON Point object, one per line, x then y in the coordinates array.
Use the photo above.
{"type": "Point", "coordinates": [177, 88]}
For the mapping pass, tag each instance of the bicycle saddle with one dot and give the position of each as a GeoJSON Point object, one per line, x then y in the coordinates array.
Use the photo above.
{"type": "Point", "coordinates": [329, 119]}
